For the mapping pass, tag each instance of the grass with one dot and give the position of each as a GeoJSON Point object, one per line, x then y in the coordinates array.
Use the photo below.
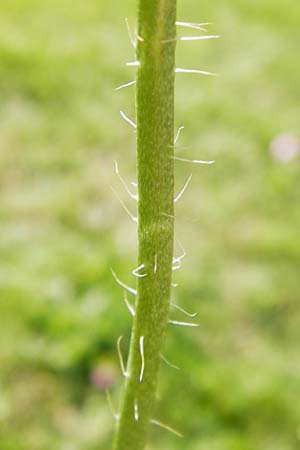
{"type": "Point", "coordinates": [62, 229]}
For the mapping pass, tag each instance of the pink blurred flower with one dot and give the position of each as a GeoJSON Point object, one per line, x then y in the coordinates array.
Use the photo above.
{"type": "Point", "coordinates": [285, 147]}
{"type": "Point", "coordinates": [103, 376]}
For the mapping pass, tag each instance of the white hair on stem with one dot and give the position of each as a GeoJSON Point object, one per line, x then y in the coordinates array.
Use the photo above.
{"type": "Point", "coordinates": [139, 275]}
{"type": "Point", "coordinates": [179, 195]}
{"type": "Point", "coordinates": [166, 427]}
{"type": "Point", "coordinates": [134, 218]}
{"type": "Point", "coordinates": [174, 285]}
{"type": "Point", "coordinates": [165, 360]}
{"type": "Point", "coordinates": [133, 63]}
{"type": "Point", "coordinates": [191, 38]}
{"type": "Point", "coordinates": [183, 310]}
{"type": "Point", "coordinates": [130, 35]}
{"type": "Point", "coordinates": [125, 85]}
{"type": "Point", "coordinates": [128, 305]}
{"type": "Point", "coordinates": [123, 285]}
{"type": "Point", "coordinates": [193, 161]}
{"type": "Point", "coordinates": [155, 263]}
{"type": "Point", "coordinates": [178, 259]}
{"type": "Point", "coordinates": [131, 194]}
{"type": "Point", "coordinates": [193, 25]}
{"type": "Point", "coordinates": [126, 118]}
{"type": "Point", "coordinates": [136, 410]}
{"type": "Point", "coordinates": [141, 342]}
{"type": "Point", "coordinates": [197, 71]}
{"type": "Point", "coordinates": [183, 324]}
{"type": "Point", "coordinates": [178, 134]}
{"type": "Point", "coordinates": [110, 405]}
{"type": "Point", "coordinates": [124, 372]}
{"type": "Point", "coordinates": [177, 264]}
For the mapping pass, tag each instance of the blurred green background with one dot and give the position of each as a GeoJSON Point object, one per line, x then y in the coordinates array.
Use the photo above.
{"type": "Point", "coordinates": [62, 228]}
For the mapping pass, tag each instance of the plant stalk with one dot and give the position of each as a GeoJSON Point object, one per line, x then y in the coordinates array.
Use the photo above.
{"type": "Point", "coordinates": [155, 170]}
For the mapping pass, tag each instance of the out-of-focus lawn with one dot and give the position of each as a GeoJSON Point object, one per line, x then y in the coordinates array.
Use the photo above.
{"type": "Point", "coordinates": [62, 228]}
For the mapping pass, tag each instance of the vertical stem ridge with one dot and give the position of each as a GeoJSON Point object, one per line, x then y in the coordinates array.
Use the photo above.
{"type": "Point", "coordinates": [155, 135]}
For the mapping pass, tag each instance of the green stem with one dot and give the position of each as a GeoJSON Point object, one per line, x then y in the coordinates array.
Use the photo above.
{"type": "Point", "coordinates": [155, 134]}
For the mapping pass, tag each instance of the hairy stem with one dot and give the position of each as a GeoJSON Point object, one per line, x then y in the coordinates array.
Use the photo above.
{"type": "Point", "coordinates": [155, 135]}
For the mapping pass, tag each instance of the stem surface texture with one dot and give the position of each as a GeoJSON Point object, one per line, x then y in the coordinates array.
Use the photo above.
{"type": "Point", "coordinates": [155, 173]}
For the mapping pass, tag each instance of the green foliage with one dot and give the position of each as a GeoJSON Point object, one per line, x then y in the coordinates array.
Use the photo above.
{"type": "Point", "coordinates": [61, 229]}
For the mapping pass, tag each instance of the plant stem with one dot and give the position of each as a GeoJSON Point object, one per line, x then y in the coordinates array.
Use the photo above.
{"type": "Point", "coordinates": [155, 135]}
